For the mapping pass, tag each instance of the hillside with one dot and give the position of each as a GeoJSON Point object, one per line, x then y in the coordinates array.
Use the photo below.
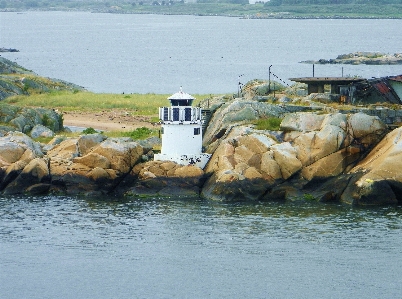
{"type": "Point", "coordinates": [239, 8]}
{"type": "Point", "coordinates": [17, 80]}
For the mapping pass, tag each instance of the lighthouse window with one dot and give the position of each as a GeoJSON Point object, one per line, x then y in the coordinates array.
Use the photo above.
{"type": "Point", "coordinates": [197, 131]}
{"type": "Point", "coordinates": [165, 113]}
{"type": "Point", "coordinates": [187, 114]}
{"type": "Point", "coordinates": [176, 114]}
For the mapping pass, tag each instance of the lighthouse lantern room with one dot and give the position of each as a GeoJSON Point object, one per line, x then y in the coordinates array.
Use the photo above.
{"type": "Point", "coordinates": [182, 132]}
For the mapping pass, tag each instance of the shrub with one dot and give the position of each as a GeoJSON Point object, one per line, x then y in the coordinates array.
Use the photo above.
{"type": "Point", "coordinates": [89, 131]}
{"type": "Point", "coordinates": [47, 121]}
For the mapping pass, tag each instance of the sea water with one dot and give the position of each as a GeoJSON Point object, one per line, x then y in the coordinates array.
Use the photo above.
{"type": "Point", "coordinates": [68, 247]}
{"type": "Point", "coordinates": [132, 53]}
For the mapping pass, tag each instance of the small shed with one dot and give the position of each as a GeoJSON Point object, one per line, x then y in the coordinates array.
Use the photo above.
{"type": "Point", "coordinates": [316, 84]}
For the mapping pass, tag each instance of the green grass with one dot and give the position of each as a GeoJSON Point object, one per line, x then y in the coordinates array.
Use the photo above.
{"type": "Point", "coordinates": [309, 197]}
{"type": "Point", "coordinates": [137, 104]}
{"type": "Point", "coordinates": [44, 140]}
{"type": "Point", "coordinates": [271, 123]}
{"type": "Point", "coordinates": [139, 133]}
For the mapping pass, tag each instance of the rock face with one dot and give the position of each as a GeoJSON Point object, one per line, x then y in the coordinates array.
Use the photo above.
{"type": "Point", "coordinates": [163, 179]}
{"type": "Point", "coordinates": [88, 164]}
{"type": "Point", "coordinates": [378, 178]}
{"type": "Point", "coordinates": [25, 119]}
{"type": "Point", "coordinates": [17, 151]}
{"type": "Point", "coordinates": [238, 112]}
{"type": "Point", "coordinates": [253, 165]}
{"type": "Point", "coordinates": [92, 165]}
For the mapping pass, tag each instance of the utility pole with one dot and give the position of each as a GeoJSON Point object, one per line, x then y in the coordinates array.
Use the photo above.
{"type": "Point", "coordinates": [269, 79]}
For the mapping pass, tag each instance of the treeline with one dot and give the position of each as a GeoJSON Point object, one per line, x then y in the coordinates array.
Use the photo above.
{"type": "Point", "coordinates": [261, 8]}
{"type": "Point", "coordinates": [88, 3]}
{"type": "Point", "coordinates": [330, 2]}
{"type": "Point", "coordinates": [37, 4]}
{"type": "Point", "coordinates": [224, 1]}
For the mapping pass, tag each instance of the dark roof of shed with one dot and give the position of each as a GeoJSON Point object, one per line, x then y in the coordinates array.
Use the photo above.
{"type": "Point", "coordinates": [328, 80]}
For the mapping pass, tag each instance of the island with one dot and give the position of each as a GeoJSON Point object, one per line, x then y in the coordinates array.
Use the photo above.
{"type": "Point", "coordinates": [373, 58]}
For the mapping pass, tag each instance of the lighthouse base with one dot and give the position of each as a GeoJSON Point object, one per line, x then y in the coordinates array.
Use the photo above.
{"type": "Point", "coordinates": [199, 160]}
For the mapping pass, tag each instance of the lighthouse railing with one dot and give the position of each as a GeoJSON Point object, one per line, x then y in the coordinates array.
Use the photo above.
{"type": "Point", "coordinates": [180, 114]}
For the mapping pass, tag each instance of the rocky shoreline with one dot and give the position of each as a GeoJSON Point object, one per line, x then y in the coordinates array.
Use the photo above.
{"type": "Point", "coordinates": [372, 58]}
{"type": "Point", "coordinates": [327, 157]}
{"type": "Point", "coordinates": [318, 153]}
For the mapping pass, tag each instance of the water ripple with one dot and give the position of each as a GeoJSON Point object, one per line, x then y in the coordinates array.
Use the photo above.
{"type": "Point", "coordinates": [167, 236]}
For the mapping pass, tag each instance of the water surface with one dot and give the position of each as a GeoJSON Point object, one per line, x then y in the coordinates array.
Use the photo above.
{"type": "Point", "coordinates": [64, 247]}
{"type": "Point", "coordinates": [157, 54]}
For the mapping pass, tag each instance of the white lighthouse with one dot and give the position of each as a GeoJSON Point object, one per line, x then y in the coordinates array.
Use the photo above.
{"type": "Point", "coordinates": [182, 132]}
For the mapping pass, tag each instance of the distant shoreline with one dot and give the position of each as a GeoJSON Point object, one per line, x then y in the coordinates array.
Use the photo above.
{"type": "Point", "coordinates": [247, 13]}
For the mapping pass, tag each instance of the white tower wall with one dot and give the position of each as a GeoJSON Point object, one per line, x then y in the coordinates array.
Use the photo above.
{"type": "Point", "coordinates": [181, 139]}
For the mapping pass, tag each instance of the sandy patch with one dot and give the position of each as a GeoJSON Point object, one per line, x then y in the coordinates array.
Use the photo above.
{"type": "Point", "coordinates": [111, 120]}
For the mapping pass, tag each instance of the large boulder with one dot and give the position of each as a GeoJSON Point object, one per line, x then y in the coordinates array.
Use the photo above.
{"type": "Point", "coordinates": [16, 151]}
{"type": "Point", "coordinates": [98, 170]}
{"type": "Point", "coordinates": [303, 122]}
{"type": "Point", "coordinates": [319, 139]}
{"type": "Point", "coordinates": [378, 178]}
{"type": "Point", "coordinates": [65, 150]}
{"type": "Point", "coordinates": [365, 129]}
{"type": "Point", "coordinates": [41, 131]}
{"type": "Point", "coordinates": [86, 142]}
{"type": "Point", "coordinates": [236, 169]}
{"type": "Point", "coordinates": [123, 153]}
{"type": "Point", "coordinates": [240, 112]}
{"type": "Point", "coordinates": [52, 143]}
{"type": "Point", "coordinates": [34, 178]}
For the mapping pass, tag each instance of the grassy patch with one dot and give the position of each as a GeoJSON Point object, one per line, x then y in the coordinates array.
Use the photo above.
{"type": "Point", "coordinates": [271, 123]}
{"type": "Point", "coordinates": [138, 104]}
{"type": "Point", "coordinates": [139, 133]}
{"type": "Point", "coordinates": [44, 140]}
